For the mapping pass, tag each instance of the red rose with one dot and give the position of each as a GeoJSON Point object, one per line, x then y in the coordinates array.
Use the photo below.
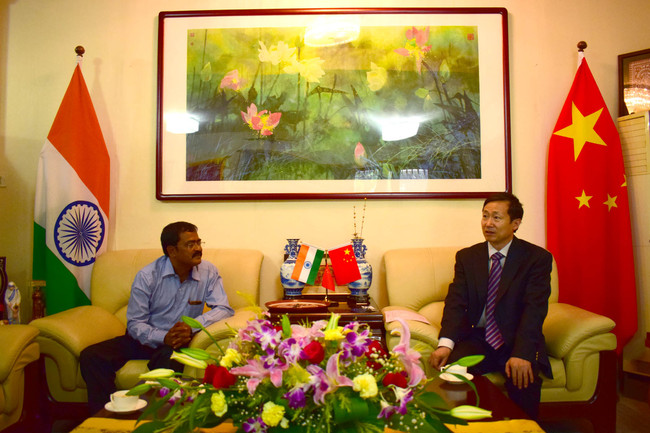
{"type": "Point", "coordinates": [209, 373]}
{"type": "Point", "coordinates": [313, 352]}
{"type": "Point", "coordinates": [375, 347]}
{"type": "Point", "coordinates": [397, 379]}
{"type": "Point", "coordinates": [223, 378]}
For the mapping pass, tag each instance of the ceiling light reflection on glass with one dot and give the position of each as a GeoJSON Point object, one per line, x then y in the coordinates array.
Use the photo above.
{"type": "Point", "coordinates": [399, 129]}
{"type": "Point", "coordinates": [332, 30]}
{"type": "Point", "coordinates": [181, 123]}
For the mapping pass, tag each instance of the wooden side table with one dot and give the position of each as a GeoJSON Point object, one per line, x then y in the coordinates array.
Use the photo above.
{"type": "Point", "coordinates": [369, 314]}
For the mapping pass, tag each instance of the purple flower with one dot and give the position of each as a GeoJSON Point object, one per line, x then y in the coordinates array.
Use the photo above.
{"type": "Point", "coordinates": [296, 398]}
{"type": "Point", "coordinates": [402, 398]}
{"type": "Point", "coordinates": [254, 425]}
{"type": "Point", "coordinates": [355, 344]}
{"type": "Point", "coordinates": [267, 336]}
{"type": "Point", "coordinates": [290, 350]}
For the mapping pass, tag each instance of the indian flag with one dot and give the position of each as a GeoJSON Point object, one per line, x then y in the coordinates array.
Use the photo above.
{"type": "Point", "coordinates": [307, 264]}
{"type": "Point", "coordinates": [72, 200]}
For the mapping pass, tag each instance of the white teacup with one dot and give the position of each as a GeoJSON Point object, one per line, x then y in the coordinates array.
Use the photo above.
{"type": "Point", "coordinates": [457, 369]}
{"type": "Point", "coordinates": [123, 402]}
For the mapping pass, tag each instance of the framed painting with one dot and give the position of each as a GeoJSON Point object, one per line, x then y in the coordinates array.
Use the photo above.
{"type": "Point", "coordinates": [633, 82]}
{"type": "Point", "coordinates": [333, 104]}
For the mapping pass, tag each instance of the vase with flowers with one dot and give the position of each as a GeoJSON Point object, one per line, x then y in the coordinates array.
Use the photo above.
{"type": "Point", "coordinates": [314, 378]}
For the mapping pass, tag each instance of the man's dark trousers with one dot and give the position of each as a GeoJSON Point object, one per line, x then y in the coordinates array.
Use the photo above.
{"type": "Point", "coordinates": [101, 361]}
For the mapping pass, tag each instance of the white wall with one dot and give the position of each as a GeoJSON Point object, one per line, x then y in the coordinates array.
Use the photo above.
{"type": "Point", "coordinates": [37, 39]}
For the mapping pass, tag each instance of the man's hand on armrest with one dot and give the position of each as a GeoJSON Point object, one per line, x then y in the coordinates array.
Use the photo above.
{"type": "Point", "coordinates": [179, 335]}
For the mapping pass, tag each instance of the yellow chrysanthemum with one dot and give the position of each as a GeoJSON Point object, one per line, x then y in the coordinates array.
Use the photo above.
{"type": "Point", "coordinates": [219, 405]}
{"type": "Point", "coordinates": [272, 414]}
{"type": "Point", "coordinates": [334, 334]}
{"type": "Point", "coordinates": [365, 385]}
{"type": "Point", "coordinates": [232, 357]}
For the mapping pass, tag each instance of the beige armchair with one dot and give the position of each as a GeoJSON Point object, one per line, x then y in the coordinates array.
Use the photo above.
{"type": "Point", "coordinates": [579, 343]}
{"type": "Point", "coordinates": [19, 348]}
{"type": "Point", "coordinates": [64, 335]}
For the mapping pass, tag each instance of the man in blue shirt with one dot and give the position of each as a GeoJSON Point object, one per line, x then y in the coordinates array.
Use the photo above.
{"type": "Point", "coordinates": [174, 285]}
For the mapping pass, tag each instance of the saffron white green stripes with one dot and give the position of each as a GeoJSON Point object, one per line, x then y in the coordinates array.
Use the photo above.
{"type": "Point", "coordinates": [307, 264]}
{"type": "Point", "coordinates": [72, 201]}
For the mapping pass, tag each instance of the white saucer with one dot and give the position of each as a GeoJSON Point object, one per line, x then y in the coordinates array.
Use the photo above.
{"type": "Point", "coordinates": [141, 403]}
{"type": "Point", "coordinates": [450, 378]}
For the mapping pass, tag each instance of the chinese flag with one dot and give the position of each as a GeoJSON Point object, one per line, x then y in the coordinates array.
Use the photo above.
{"type": "Point", "coordinates": [344, 264]}
{"type": "Point", "coordinates": [328, 280]}
{"type": "Point", "coordinates": [588, 217]}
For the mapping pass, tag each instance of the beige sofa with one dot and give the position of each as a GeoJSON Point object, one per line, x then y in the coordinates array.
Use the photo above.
{"type": "Point", "coordinates": [64, 335]}
{"type": "Point", "coordinates": [579, 343]}
{"type": "Point", "coordinates": [19, 349]}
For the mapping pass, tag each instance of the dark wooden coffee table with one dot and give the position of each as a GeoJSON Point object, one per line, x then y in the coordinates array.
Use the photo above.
{"type": "Point", "coordinates": [349, 312]}
{"type": "Point", "coordinates": [490, 397]}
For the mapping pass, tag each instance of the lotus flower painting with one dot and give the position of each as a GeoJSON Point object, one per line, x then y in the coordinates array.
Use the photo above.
{"type": "Point", "coordinates": [290, 103]}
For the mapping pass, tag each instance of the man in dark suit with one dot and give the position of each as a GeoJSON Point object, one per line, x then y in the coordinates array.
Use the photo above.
{"type": "Point", "coordinates": [504, 324]}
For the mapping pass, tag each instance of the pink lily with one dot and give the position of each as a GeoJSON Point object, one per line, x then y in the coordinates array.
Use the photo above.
{"type": "Point", "coordinates": [409, 357]}
{"type": "Point", "coordinates": [329, 380]}
{"type": "Point", "coordinates": [304, 335]}
{"type": "Point", "coordinates": [257, 371]}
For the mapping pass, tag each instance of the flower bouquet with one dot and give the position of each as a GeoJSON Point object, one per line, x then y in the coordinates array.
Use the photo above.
{"type": "Point", "coordinates": [317, 377]}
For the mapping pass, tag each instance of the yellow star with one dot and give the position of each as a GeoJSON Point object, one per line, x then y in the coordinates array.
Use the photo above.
{"type": "Point", "coordinates": [624, 180]}
{"type": "Point", "coordinates": [584, 199]}
{"type": "Point", "coordinates": [346, 251]}
{"type": "Point", "coordinates": [611, 202]}
{"type": "Point", "coordinates": [581, 130]}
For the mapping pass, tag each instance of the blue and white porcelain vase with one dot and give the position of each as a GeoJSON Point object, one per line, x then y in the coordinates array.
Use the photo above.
{"type": "Point", "coordinates": [359, 288]}
{"type": "Point", "coordinates": [292, 288]}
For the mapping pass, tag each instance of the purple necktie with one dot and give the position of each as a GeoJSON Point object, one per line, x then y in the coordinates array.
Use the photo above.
{"type": "Point", "coordinates": [492, 334]}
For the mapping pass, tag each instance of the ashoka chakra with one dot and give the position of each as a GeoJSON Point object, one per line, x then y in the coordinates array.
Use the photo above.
{"type": "Point", "coordinates": [79, 232]}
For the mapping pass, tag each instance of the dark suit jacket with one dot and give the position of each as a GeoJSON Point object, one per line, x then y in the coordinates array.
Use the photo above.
{"type": "Point", "coordinates": [521, 304]}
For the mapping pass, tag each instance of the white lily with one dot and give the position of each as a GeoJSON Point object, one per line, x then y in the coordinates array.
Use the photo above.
{"type": "Point", "coordinates": [157, 373]}
{"type": "Point", "coordinates": [188, 360]}
{"type": "Point", "coordinates": [470, 412]}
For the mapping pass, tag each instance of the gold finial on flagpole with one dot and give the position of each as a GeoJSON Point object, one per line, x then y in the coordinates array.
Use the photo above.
{"type": "Point", "coordinates": [80, 53]}
{"type": "Point", "coordinates": [581, 51]}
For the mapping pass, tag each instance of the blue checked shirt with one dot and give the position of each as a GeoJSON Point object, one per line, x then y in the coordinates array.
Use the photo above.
{"type": "Point", "coordinates": [158, 300]}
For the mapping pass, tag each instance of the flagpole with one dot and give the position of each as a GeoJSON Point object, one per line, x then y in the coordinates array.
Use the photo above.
{"type": "Point", "coordinates": [581, 51]}
{"type": "Point", "coordinates": [332, 303]}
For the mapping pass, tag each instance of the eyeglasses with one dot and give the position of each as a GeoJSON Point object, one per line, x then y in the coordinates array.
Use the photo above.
{"type": "Point", "coordinates": [190, 245]}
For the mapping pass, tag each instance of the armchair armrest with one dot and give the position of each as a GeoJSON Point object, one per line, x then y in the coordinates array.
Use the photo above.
{"type": "Point", "coordinates": [223, 329]}
{"type": "Point", "coordinates": [566, 326]}
{"type": "Point", "coordinates": [15, 340]}
{"type": "Point", "coordinates": [79, 327]}
{"type": "Point", "coordinates": [421, 332]}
